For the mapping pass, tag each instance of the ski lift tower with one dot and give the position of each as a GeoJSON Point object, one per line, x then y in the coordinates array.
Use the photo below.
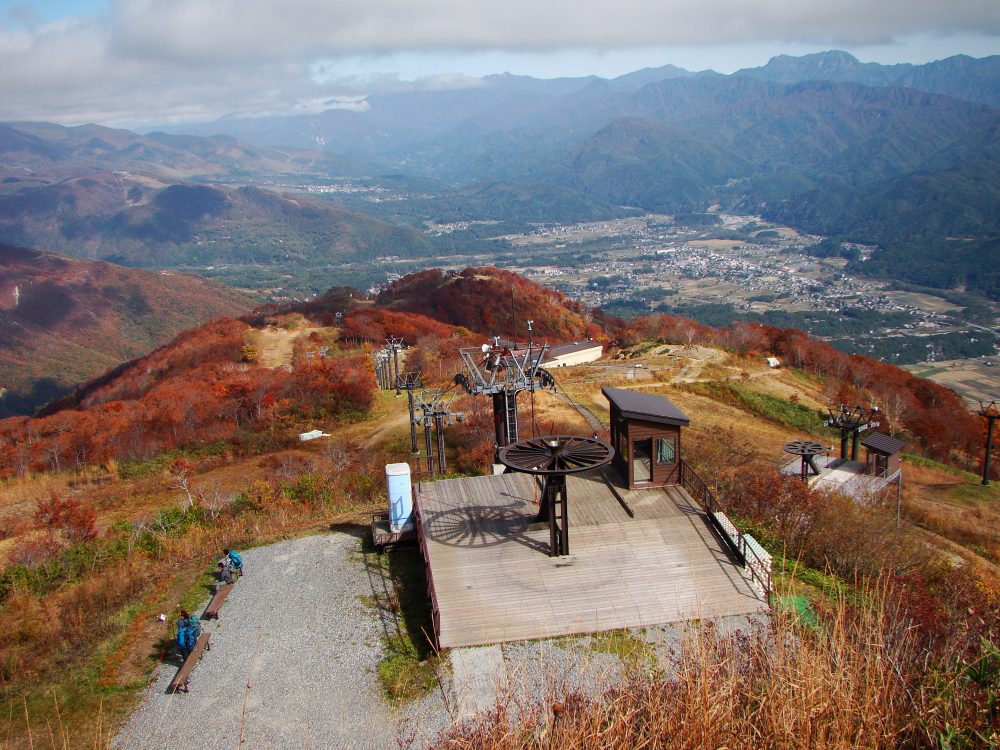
{"type": "Point", "coordinates": [410, 382]}
{"type": "Point", "coordinates": [498, 371]}
{"type": "Point", "coordinates": [380, 359]}
{"type": "Point", "coordinates": [852, 422]}
{"type": "Point", "coordinates": [393, 345]}
{"type": "Point", "coordinates": [434, 405]}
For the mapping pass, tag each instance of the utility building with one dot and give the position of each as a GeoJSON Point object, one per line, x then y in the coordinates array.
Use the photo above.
{"type": "Point", "coordinates": [576, 353]}
{"type": "Point", "coordinates": [646, 436]}
{"type": "Point", "coordinates": [883, 454]}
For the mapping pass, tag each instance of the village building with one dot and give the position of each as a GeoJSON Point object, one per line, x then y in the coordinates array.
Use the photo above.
{"type": "Point", "coordinates": [575, 353]}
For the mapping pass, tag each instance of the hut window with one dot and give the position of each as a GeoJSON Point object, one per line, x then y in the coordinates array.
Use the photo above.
{"type": "Point", "coordinates": [666, 452]}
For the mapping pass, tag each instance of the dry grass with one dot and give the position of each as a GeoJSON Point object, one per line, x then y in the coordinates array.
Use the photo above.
{"type": "Point", "coordinates": [955, 507]}
{"type": "Point", "coordinates": [841, 685]}
{"type": "Point", "coordinates": [86, 644]}
{"type": "Point", "coordinates": [276, 345]}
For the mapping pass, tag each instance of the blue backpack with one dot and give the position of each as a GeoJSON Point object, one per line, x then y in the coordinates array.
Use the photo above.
{"type": "Point", "coordinates": [193, 628]}
{"type": "Point", "coordinates": [184, 639]}
{"type": "Point", "coordinates": [237, 561]}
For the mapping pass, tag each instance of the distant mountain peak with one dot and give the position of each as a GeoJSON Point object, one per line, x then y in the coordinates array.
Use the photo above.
{"type": "Point", "coordinates": [960, 76]}
{"type": "Point", "coordinates": [829, 58]}
{"type": "Point", "coordinates": [832, 65]}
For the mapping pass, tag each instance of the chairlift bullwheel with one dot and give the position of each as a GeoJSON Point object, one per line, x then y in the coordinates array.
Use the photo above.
{"type": "Point", "coordinates": [553, 457]}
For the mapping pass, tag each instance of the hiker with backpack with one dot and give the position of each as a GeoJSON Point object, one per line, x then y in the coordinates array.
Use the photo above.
{"type": "Point", "coordinates": [194, 628]}
{"type": "Point", "coordinates": [224, 570]}
{"type": "Point", "coordinates": [185, 641]}
{"type": "Point", "coordinates": [235, 560]}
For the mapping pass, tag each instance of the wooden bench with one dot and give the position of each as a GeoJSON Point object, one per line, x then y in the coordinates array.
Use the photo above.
{"type": "Point", "coordinates": [212, 610]}
{"type": "Point", "coordinates": [180, 681]}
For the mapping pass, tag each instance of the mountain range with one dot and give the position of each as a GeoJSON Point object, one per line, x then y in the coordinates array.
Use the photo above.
{"type": "Point", "coordinates": [31, 150]}
{"type": "Point", "coordinates": [903, 156]}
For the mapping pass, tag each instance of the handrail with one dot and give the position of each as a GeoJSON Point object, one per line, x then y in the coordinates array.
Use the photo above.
{"type": "Point", "coordinates": [869, 484]}
{"type": "Point", "coordinates": [701, 493]}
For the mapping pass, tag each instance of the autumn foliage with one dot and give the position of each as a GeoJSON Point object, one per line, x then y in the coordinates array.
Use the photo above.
{"type": "Point", "coordinates": [485, 299]}
{"type": "Point", "coordinates": [377, 323]}
{"type": "Point", "coordinates": [195, 390]}
{"type": "Point", "coordinates": [71, 519]}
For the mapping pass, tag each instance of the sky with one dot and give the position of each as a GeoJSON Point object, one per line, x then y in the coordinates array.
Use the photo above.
{"type": "Point", "coordinates": [138, 63]}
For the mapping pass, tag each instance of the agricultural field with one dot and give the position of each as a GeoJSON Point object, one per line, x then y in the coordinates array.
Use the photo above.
{"type": "Point", "coordinates": [975, 379]}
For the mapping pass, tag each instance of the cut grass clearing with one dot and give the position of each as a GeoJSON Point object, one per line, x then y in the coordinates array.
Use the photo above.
{"type": "Point", "coordinates": [781, 411]}
{"type": "Point", "coordinates": [627, 646]}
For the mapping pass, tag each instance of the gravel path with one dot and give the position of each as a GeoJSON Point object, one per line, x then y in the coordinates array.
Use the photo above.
{"type": "Point", "coordinates": [292, 663]}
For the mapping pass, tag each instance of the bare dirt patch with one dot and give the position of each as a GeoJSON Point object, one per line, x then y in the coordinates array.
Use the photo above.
{"type": "Point", "coordinates": [275, 345]}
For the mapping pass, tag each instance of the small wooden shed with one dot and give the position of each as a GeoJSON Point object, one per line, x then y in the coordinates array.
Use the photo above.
{"type": "Point", "coordinates": [883, 454]}
{"type": "Point", "coordinates": [646, 436]}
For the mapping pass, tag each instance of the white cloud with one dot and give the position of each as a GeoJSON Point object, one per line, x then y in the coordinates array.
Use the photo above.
{"type": "Point", "coordinates": [254, 29]}
{"type": "Point", "coordinates": [170, 60]}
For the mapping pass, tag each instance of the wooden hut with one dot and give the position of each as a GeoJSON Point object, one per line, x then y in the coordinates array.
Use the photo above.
{"type": "Point", "coordinates": [646, 436]}
{"type": "Point", "coordinates": [883, 454]}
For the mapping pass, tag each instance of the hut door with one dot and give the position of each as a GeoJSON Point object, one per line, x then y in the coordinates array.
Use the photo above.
{"type": "Point", "coordinates": [881, 464]}
{"type": "Point", "coordinates": [642, 460]}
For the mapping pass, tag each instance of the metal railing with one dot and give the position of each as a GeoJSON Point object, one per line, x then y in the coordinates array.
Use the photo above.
{"type": "Point", "coordinates": [759, 569]}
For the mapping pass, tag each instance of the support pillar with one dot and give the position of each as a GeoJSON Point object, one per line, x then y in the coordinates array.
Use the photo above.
{"type": "Point", "coordinates": [990, 419]}
{"type": "Point", "coordinates": [428, 446]}
{"type": "Point", "coordinates": [413, 423]}
{"type": "Point", "coordinates": [500, 419]}
{"type": "Point", "coordinates": [439, 432]}
{"type": "Point", "coordinates": [395, 365]}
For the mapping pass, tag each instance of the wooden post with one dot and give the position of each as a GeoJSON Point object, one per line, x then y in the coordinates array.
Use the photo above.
{"type": "Point", "coordinates": [899, 492]}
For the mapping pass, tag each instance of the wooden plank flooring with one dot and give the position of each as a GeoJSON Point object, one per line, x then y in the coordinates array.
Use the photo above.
{"type": "Point", "coordinates": [494, 581]}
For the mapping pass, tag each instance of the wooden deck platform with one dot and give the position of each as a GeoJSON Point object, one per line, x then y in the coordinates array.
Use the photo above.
{"type": "Point", "coordinates": [493, 580]}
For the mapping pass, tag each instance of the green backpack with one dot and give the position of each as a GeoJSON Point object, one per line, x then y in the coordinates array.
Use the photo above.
{"type": "Point", "coordinates": [195, 625]}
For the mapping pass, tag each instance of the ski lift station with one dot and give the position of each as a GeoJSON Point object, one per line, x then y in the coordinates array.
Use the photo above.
{"type": "Point", "coordinates": [577, 535]}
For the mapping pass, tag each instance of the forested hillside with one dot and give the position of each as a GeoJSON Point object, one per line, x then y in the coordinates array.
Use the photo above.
{"type": "Point", "coordinates": [65, 321]}
{"type": "Point", "coordinates": [144, 221]}
{"type": "Point", "coordinates": [491, 302]}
